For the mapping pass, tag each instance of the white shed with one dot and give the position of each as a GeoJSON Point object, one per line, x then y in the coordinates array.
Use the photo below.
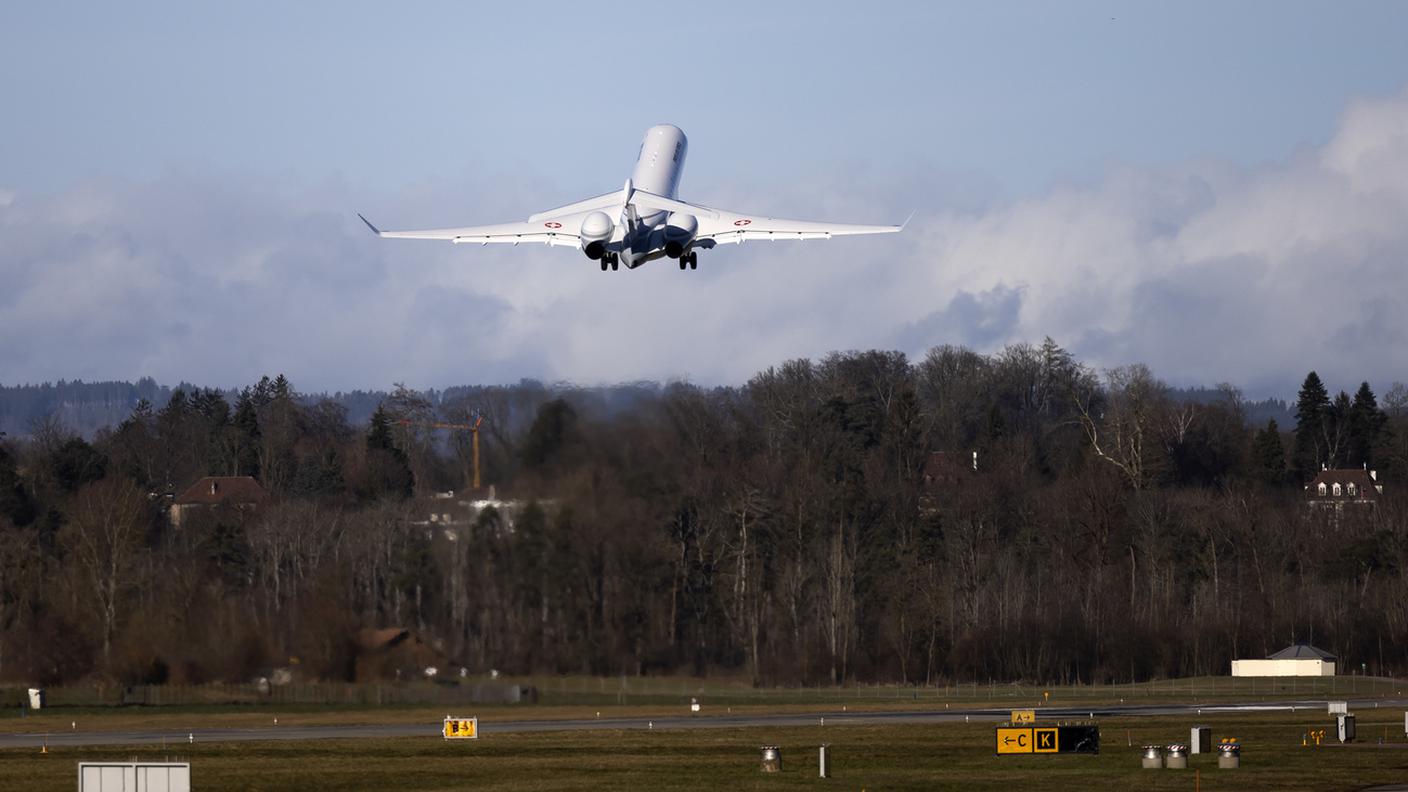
{"type": "Point", "coordinates": [134, 777]}
{"type": "Point", "coordinates": [1295, 660]}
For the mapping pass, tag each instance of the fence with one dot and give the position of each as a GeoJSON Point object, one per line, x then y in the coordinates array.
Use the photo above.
{"type": "Point", "coordinates": [649, 690]}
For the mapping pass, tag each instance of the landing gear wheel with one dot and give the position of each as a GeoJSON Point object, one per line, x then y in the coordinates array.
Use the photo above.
{"type": "Point", "coordinates": [683, 262]}
{"type": "Point", "coordinates": [615, 263]}
{"type": "Point", "coordinates": [603, 264]}
{"type": "Point", "coordinates": [694, 261]}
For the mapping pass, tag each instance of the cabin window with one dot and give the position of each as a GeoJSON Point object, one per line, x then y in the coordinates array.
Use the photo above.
{"type": "Point", "coordinates": [1322, 489]}
{"type": "Point", "coordinates": [1337, 489]}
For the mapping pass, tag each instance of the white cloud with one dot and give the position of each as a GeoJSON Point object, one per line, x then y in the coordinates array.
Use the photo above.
{"type": "Point", "coordinates": [1204, 272]}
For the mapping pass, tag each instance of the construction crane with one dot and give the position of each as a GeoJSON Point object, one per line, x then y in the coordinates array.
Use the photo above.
{"type": "Point", "coordinates": [473, 428]}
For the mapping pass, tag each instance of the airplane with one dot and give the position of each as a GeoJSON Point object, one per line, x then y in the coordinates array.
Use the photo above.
{"type": "Point", "coordinates": [651, 222]}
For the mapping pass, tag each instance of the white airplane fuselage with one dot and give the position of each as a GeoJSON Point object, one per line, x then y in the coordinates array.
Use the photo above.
{"type": "Point", "coordinates": [658, 170]}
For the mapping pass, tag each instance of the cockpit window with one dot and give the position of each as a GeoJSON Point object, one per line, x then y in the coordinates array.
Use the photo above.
{"type": "Point", "coordinates": [678, 146]}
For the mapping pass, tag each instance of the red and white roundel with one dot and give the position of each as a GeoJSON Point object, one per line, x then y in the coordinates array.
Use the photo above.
{"type": "Point", "coordinates": [745, 221]}
{"type": "Point", "coordinates": [552, 224]}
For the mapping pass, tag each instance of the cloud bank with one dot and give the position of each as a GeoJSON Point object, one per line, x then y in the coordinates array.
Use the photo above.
{"type": "Point", "coordinates": [1203, 271]}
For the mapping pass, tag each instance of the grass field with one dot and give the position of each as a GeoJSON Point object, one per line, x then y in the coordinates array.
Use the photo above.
{"type": "Point", "coordinates": [625, 690]}
{"type": "Point", "coordinates": [654, 697]}
{"type": "Point", "coordinates": [946, 756]}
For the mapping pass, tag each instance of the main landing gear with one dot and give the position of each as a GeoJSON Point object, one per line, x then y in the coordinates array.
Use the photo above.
{"type": "Point", "coordinates": [690, 259]}
{"type": "Point", "coordinates": [611, 260]}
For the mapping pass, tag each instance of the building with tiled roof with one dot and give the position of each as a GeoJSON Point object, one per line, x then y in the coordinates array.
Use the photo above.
{"type": "Point", "coordinates": [1334, 489]}
{"type": "Point", "coordinates": [240, 492]}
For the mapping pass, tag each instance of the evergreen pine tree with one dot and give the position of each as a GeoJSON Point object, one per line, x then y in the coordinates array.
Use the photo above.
{"type": "Point", "coordinates": [1312, 412]}
{"type": "Point", "coordinates": [1366, 426]}
{"type": "Point", "coordinates": [246, 428]}
{"type": "Point", "coordinates": [15, 504]}
{"type": "Point", "coordinates": [1270, 455]}
{"type": "Point", "coordinates": [388, 470]}
{"type": "Point", "coordinates": [380, 434]}
{"type": "Point", "coordinates": [281, 389]}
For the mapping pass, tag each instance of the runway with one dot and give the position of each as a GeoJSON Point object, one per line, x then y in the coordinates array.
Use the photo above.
{"type": "Point", "coordinates": [170, 737]}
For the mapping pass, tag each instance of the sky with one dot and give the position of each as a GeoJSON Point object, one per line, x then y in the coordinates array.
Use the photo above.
{"type": "Point", "coordinates": [1218, 190]}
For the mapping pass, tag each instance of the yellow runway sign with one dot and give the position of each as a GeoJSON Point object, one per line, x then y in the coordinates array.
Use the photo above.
{"type": "Point", "coordinates": [1024, 716]}
{"type": "Point", "coordinates": [461, 728]}
{"type": "Point", "coordinates": [1068, 739]}
{"type": "Point", "coordinates": [1012, 740]}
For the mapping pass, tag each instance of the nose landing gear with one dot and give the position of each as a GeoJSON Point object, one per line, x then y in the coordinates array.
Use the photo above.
{"type": "Point", "coordinates": [690, 259]}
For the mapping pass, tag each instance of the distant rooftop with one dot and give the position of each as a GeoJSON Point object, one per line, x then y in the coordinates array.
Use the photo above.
{"type": "Point", "coordinates": [1301, 651]}
{"type": "Point", "coordinates": [224, 489]}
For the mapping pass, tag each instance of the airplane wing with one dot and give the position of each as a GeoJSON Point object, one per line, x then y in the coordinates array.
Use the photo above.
{"type": "Point", "coordinates": [725, 228]}
{"type": "Point", "coordinates": [559, 231]}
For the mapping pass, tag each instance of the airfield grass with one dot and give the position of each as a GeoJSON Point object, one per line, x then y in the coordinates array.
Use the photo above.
{"type": "Point", "coordinates": [657, 697]}
{"type": "Point", "coordinates": [940, 756]}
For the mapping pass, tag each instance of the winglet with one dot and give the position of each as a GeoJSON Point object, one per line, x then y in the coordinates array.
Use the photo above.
{"type": "Point", "coordinates": [902, 225]}
{"type": "Point", "coordinates": [374, 229]}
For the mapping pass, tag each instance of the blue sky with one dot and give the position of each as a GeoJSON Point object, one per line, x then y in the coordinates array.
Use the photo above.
{"type": "Point", "coordinates": [1019, 95]}
{"type": "Point", "coordinates": [260, 128]}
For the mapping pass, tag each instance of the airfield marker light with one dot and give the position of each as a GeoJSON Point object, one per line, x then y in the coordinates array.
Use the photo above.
{"type": "Point", "coordinates": [191, 738]}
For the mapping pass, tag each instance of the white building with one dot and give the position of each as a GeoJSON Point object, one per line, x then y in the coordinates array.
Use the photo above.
{"type": "Point", "coordinates": [1295, 660]}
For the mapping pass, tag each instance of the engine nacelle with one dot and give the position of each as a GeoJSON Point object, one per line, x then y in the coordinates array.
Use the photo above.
{"type": "Point", "coordinates": [679, 232]}
{"type": "Point", "coordinates": [597, 229]}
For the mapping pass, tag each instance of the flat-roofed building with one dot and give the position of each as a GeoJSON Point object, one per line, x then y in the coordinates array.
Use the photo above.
{"type": "Point", "coordinates": [1295, 660]}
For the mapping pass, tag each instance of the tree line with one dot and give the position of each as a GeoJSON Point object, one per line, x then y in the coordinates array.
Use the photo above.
{"type": "Point", "coordinates": [823, 523]}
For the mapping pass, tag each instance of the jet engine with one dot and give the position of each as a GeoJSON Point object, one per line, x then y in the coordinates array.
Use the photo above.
{"type": "Point", "coordinates": [596, 232]}
{"type": "Point", "coordinates": [679, 232]}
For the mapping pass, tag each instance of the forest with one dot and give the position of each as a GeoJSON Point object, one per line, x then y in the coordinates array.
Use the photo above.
{"type": "Point", "coordinates": [865, 517]}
